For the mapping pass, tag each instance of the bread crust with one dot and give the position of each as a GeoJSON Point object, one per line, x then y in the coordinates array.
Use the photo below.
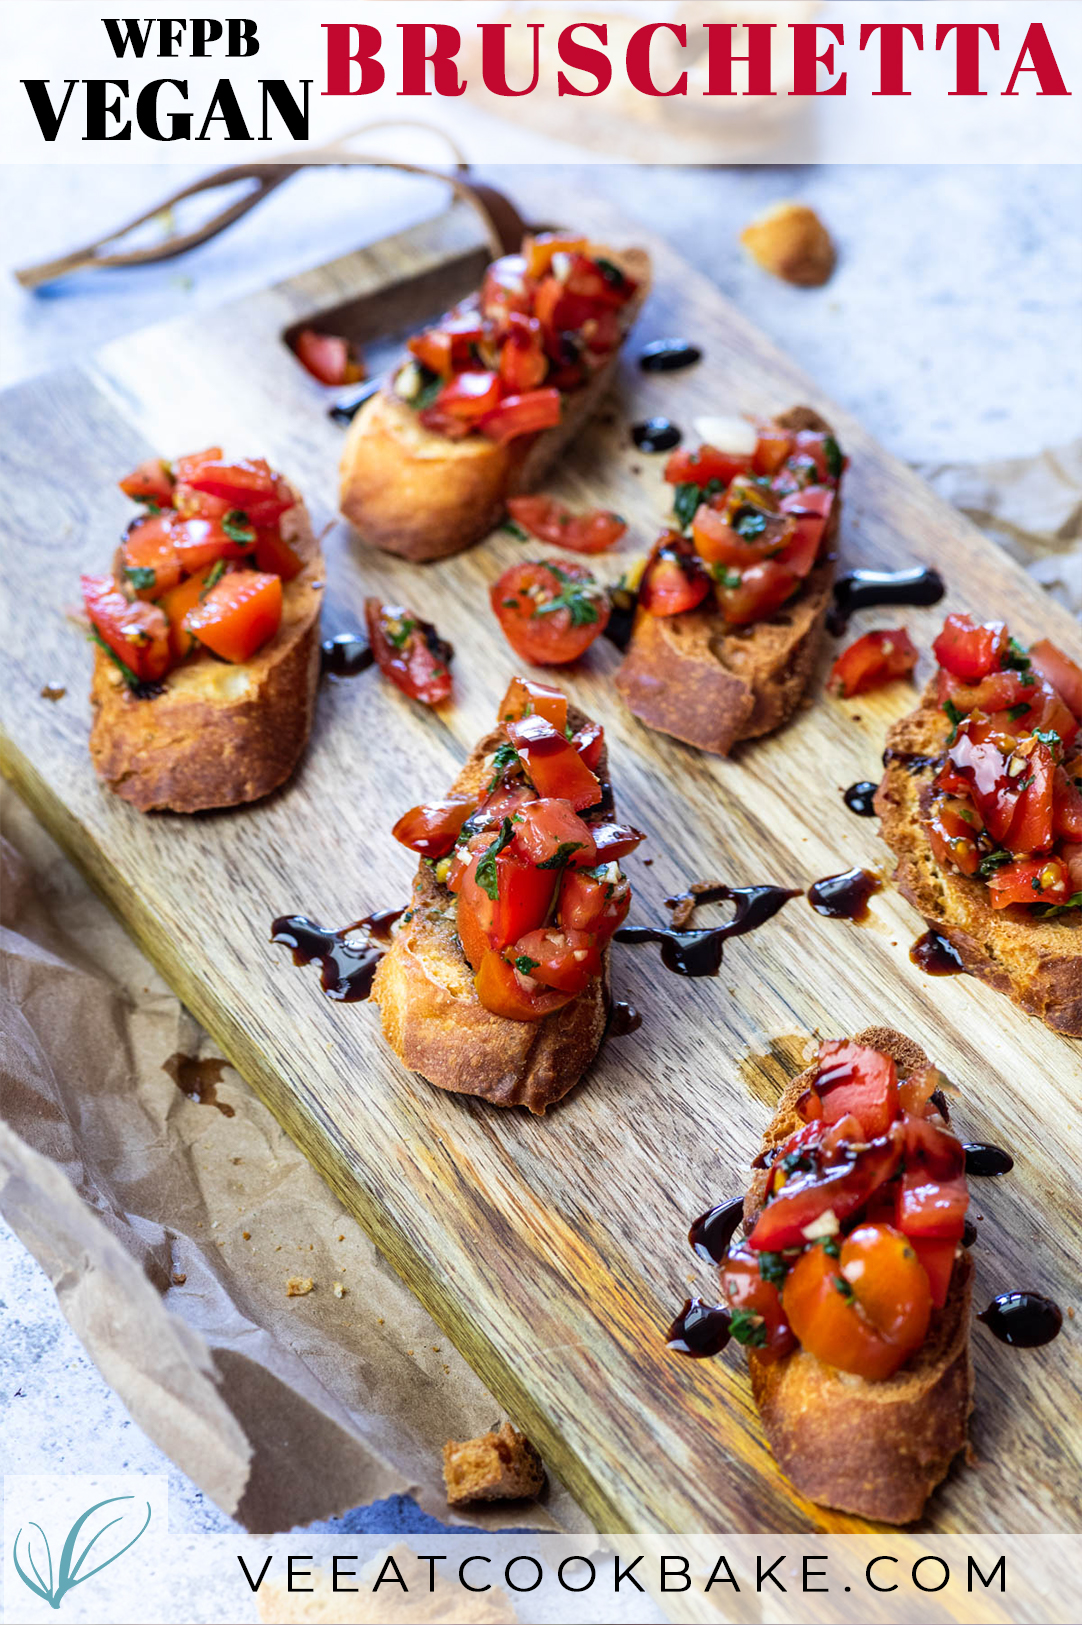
{"type": "Point", "coordinates": [434, 1021]}
{"type": "Point", "coordinates": [218, 734]}
{"type": "Point", "coordinates": [411, 491]}
{"type": "Point", "coordinates": [877, 1449]}
{"type": "Point", "coordinates": [691, 677]}
{"type": "Point", "coordinates": [1036, 963]}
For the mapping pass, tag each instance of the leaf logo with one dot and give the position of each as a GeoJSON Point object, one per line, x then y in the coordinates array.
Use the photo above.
{"type": "Point", "coordinates": [53, 1590]}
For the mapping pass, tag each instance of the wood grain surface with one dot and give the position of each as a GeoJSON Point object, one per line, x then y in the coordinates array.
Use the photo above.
{"type": "Point", "coordinates": [553, 1252]}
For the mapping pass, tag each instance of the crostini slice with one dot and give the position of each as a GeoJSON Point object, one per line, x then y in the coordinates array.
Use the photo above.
{"type": "Point", "coordinates": [981, 804]}
{"type": "Point", "coordinates": [208, 730]}
{"type": "Point", "coordinates": [490, 397]}
{"type": "Point", "coordinates": [496, 980]}
{"type": "Point", "coordinates": [851, 1290]}
{"type": "Point", "coordinates": [712, 666]}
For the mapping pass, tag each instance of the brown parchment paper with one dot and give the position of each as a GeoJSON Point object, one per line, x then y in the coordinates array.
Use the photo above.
{"type": "Point", "coordinates": [170, 1228]}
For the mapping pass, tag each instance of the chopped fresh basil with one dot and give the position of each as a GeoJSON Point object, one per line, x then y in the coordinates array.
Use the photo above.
{"type": "Point", "coordinates": [832, 454]}
{"type": "Point", "coordinates": [612, 273]}
{"type": "Point", "coordinates": [141, 576]}
{"type": "Point", "coordinates": [1014, 657]}
{"type": "Point", "coordinates": [748, 1328]}
{"type": "Point", "coordinates": [992, 861]}
{"type": "Point", "coordinates": [1050, 910]}
{"type": "Point", "coordinates": [750, 523]}
{"type": "Point", "coordinates": [514, 529]}
{"type": "Point", "coordinates": [506, 756]}
{"type": "Point", "coordinates": [576, 597]}
{"type": "Point", "coordinates": [724, 576]}
{"type": "Point", "coordinates": [688, 496]}
{"type": "Point", "coordinates": [486, 874]}
{"type": "Point", "coordinates": [133, 682]}
{"type": "Point", "coordinates": [398, 632]}
{"type": "Point", "coordinates": [239, 528]}
{"type": "Point", "coordinates": [431, 384]}
{"type": "Point", "coordinates": [217, 571]}
{"type": "Point", "coordinates": [954, 716]}
{"type": "Point", "coordinates": [1048, 736]}
{"type": "Point", "coordinates": [773, 1267]}
{"type": "Point", "coordinates": [561, 855]}
{"type": "Point", "coordinates": [524, 964]}
{"type": "Point", "coordinates": [1026, 782]}
{"type": "Point", "coordinates": [152, 507]}
{"type": "Point", "coordinates": [1017, 711]}
{"type": "Point", "coordinates": [842, 1285]}
{"type": "Point", "coordinates": [832, 1247]}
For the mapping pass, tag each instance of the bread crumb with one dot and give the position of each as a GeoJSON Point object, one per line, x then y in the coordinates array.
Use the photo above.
{"type": "Point", "coordinates": [338, 1289]}
{"type": "Point", "coordinates": [179, 1278]}
{"type": "Point", "coordinates": [298, 1286]}
{"type": "Point", "coordinates": [246, 1235]}
{"type": "Point", "coordinates": [790, 241]}
{"type": "Point", "coordinates": [501, 1466]}
{"type": "Point", "coordinates": [341, 1238]}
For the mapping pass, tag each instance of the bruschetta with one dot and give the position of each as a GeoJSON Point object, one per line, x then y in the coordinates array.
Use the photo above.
{"type": "Point", "coordinates": [733, 599]}
{"type": "Point", "coordinates": [981, 804]}
{"type": "Point", "coordinates": [496, 980]}
{"type": "Point", "coordinates": [207, 637]}
{"type": "Point", "coordinates": [490, 396]}
{"type": "Point", "coordinates": [851, 1287]}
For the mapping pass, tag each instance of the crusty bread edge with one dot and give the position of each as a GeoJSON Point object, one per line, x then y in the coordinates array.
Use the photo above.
{"type": "Point", "coordinates": [449, 1037]}
{"type": "Point", "coordinates": [217, 735]}
{"type": "Point", "coordinates": [876, 1449]}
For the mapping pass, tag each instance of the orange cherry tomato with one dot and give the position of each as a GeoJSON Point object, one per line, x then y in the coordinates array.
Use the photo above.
{"type": "Point", "coordinates": [433, 829]}
{"type": "Point", "coordinates": [176, 603]}
{"type": "Point", "coordinates": [551, 521]}
{"type": "Point", "coordinates": [549, 613]}
{"type": "Point", "coordinates": [525, 698]}
{"type": "Point", "coordinates": [150, 561]}
{"type": "Point", "coordinates": [557, 957]}
{"type": "Point", "coordinates": [757, 593]}
{"type": "Point", "coordinates": [718, 542]}
{"type": "Point", "coordinates": [330, 359]}
{"type": "Point", "coordinates": [552, 763]}
{"type": "Point", "coordinates": [538, 251]}
{"type": "Point", "coordinates": [674, 579]}
{"type": "Point", "coordinates": [864, 1312]}
{"type": "Point", "coordinates": [138, 634]}
{"type": "Point", "coordinates": [876, 658]}
{"type": "Point", "coordinates": [505, 992]}
{"type": "Point", "coordinates": [239, 614]}
{"type": "Point", "coordinates": [774, 446]}
{"type": "Point", "coordinates": [152, 481]}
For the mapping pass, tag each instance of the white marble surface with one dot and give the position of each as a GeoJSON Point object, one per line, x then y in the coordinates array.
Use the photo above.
{"type": "Point", "coordinates": [951, 328]}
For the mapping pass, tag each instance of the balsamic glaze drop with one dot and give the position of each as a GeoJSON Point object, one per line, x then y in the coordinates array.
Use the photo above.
{"type": "Point", "coordinates": [1026, 1320]}
{"type": "Point", "coordinates": [858, 798]}
{"type": "Point", "coordinates": [712, 1231]}
{"type": "Point", "coordinates": [936, 956]}
{"type": "Point", "coordinates": [844, 896]}
{"type": "Point", "coordinates": [348, 957]}
{"type": "Point", "coordinates": [698, 952]}
{"type": "Point", "coordinates": [623, 603]}
{"type": "Point", "coordinates": [700, 1329]}
{"type": "Point", "coordinates": [911, 760]}
{"type": "Point", "coordinates": [969, 1234]}
{"type": "Point", "coordinates": [623, 1019]}
{"type": "Point", "coordinates": [986, 1161]}
{"type": "Point", "coordinates": [669, 355]}
{"type": "Point", "coordinates": [346, 655]}
{"type": "Point", "coordinates": [656, 434]}
{"type": "Point", "coordinates": [865, 589]}
{"type": "Point", "coordinates": [346, 411]}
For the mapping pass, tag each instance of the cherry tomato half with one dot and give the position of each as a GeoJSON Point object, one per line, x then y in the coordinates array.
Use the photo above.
{"type": "Point", "coordinates": [138, 634]}
{"type": "Point", "coordinates": [549, 613]}
{"type": "Point", "coordinates": [876, 658]}
{"type": "Point", "coordinates": [409, 651]}
{"type": "Point", "coordinates": [551, 521]}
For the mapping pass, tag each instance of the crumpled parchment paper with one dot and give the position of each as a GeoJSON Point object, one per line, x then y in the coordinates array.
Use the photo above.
{"type": "Point", "coordinates": [171, 1226]}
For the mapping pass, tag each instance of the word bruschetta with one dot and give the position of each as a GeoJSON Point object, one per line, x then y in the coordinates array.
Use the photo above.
{"type": "Point", "coordinates": [851, 1287]}
{"type": "Point", "coordinates": [207, 635]}
{"type": "Point", "coordinates": [496, 981]}
{"type": "Point", "coordinates": [490, 396]}
{"type": "Point", "coordinates": [981, 803]}
{"type": "Point", "coordinates": [732, 604]}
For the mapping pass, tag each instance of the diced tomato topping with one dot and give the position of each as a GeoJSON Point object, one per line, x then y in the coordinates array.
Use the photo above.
{"type": "Point", "coordinates": [552, 763]}
{"type": "Point", "coordinates": [1063, 673]}
{"type": "Point", "coordinates": [550, 521]}
{"type": "Point", "coordinates": [937, 1262]}
{"type": "Point", "coordinates": [152, 481]}
{"type": "Point", "coordinates": [177, 602]}
{"type": "Point", "coordinates": [275, 556]}
{"type": "Point", "coordinates": [238, 615]}
{"type": "Point", "coordinates": [250, 484]}
{"type": "Point", "coordinates": [137, 633]}
{"type": "Point", "coordinates": [876, 658]}
{"type": "Point", "coordinates": [774, 446]}
{"type": "Point", "coordinates": [409, 651]}
{"type": "Point", "coordinates": [952, 825]}
{"type": "Point", "coordinates": [801, 551]}
{"type": "Point", "coordinates": [854, 1079]}
{"type": "Point", "coordinates": [806, 1196]}
{"type": "Point", "coordinates": [510, 898]}
{"type": "Point", "coordinates": [559, 958]}
{"type": "Point", "coordinates": [864, 1312]}
{"type": "Point", "coordinates": [674, 579]}
{"type": "Point", "coordinates": [549, 834]}
{"type": "Point", "coordinates": [505, 290]}
{"type": "Point", "coordinates": [525, 697]}
{"type": "Point", "coordinates": [433, 829]}
{"type": "Point", "coordinates": [538, 251]}
{"type": "Point", "coordinates": [523, 362]}
{"type": "Point", "coordinates": [615, 841]}
{"type": "Point", "coordinates": [686, 467]}
{"type": "Point", "coordinates": [1029, 880]}
{"type": "Point", "coordinates": [1031, 826]}
{"type": "Point", "coordinates": [330, 359]}
{"type": "Point", "coordinates": [757, 593]}
{"type": "Point", "coordinates": [596, 901]}
{"type": "Point", "coordinates": [527, 413]}
{"type": "Point", "coordinates": [549, 613]}
{"type": "Point", "coordinates": [970, 650]}
{"type": "Point", "coordinates": [718, 542]}
{"type": "Point", "coordinates": [931, 1209]}
{"type": "Point", "coordinates": [1067, 807]}
{"type": "Point", "coordinates": [505, 992]}
{"type": "Point", "coordinates": [763, 1319]}
{"type": "Point", "coordinates": [465, 399]}
{"type": "Point", "coordinates": [589, 741]}
{"type": "Point", "coordinates": [150, 561]}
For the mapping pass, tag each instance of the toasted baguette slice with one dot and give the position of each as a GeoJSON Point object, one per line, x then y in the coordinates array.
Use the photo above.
{"type": "Point", "coordinates": [433, 1019]}
{"type": "Point", "coordinates": [692, 677]}
{"type": "Point", "coordinates": [1037, 963]}
{"type": "Point", "coordinates": [877, 1449]}
{"type": "Point", "coordinates": [413, 492]}
{"type": "Point", "coordinates": [217, 734]}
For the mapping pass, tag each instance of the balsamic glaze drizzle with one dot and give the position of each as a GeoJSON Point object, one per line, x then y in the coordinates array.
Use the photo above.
{"type": "Point", "coordinates": [986, 1161]}
{"type": "Point", "coordinates": [865, 589]}
{"type": "Point", "coordinates": [700, 1329]}
{"type": "Point", "coordinates": [844, 896]}
{"type": "Point", "coordinates": [669, 355]}
{"type": "Point", "coordinates": [911, 760]}
{"type": "Point", "coordinates": [656, 434]}
{"type": "Point", "coordinates": [1025, 1320]}
{"type": "Point", "coordinates": [346, 411]}
{"type": "Point", "coordinates": [698, 952]}
{"type": "Point", "coordinates": [348, 958]}
{"type": "Point", "coordinates": [712, 1231]}
{"type": "Point", "coordinates": [624, 1018]}
{"type": "Point", "coordinates": [936, 956]}
{"type": "Point", "coordinates": [347, 654]}
{"type": "Point", "coordinates": [858, 798]}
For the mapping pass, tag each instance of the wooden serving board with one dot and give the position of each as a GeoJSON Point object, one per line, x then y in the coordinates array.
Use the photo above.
{"type": "Point", "coordinates": [553, 1252]}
